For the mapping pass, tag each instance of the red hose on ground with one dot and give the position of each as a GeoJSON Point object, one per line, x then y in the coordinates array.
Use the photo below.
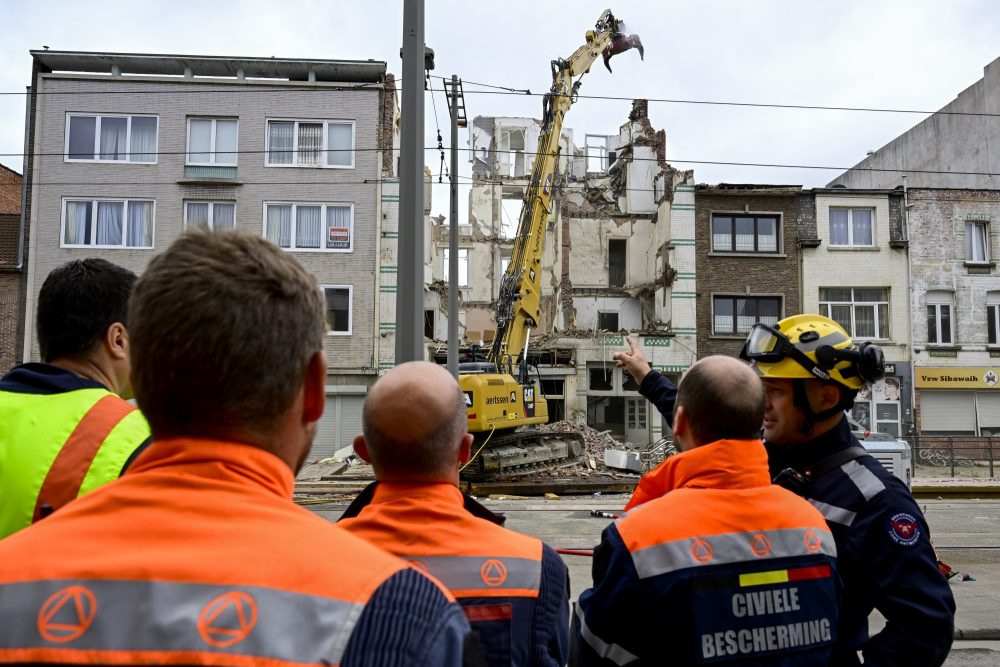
{"type": "Point", "coordinates": [576, 552]}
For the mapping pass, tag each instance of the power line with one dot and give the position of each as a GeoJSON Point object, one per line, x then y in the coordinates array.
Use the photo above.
{"type": "Point", "coordinates": [672, 160]}
{"type": "Point", "coordinates": [508, 90]}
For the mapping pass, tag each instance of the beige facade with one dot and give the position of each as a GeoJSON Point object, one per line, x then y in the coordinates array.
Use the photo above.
{"type": "Point", "coordinates": [125, 205]}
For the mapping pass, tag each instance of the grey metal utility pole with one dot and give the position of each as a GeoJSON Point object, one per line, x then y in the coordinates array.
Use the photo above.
{"type": "Point", "coordinates": [456, 107]}
{"type": "Point", "coordinates": [410, 272]}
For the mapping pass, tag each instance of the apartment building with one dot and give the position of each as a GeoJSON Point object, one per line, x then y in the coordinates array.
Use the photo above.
{"type": "Point", "coordinates": [855, 272]}
{"type": "Point", "coordinates": [126, 151]}
{"type": "Point", "coordinates": [619, 243]}
{"type": "Point", "coordinates": [955, 300]}
{"type": "Point", "coordinates": [747, 247]}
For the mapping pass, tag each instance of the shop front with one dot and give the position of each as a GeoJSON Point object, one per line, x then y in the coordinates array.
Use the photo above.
{"type": "Point", "coordinates": [959, 400]}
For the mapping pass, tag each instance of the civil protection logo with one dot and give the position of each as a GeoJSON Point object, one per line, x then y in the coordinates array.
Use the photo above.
{"type": "Point", "coordinates": [493, 572]}
{"type": "Point", "coordinates": [67, 614]}
{"type": "Point", "coordinates": [228, 619]}
{"type": "Point", "coordinates": [812, 542]}
{"type": "Point", "coordinates": [701, 551]}
{"type": "Point", "coordinates": [904, 529]}
{"type": "Point", "coordinates": [760, 545]}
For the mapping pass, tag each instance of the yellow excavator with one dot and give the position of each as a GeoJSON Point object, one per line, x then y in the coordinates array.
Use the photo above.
{"type": "Point", "coordinates": [502, 401]}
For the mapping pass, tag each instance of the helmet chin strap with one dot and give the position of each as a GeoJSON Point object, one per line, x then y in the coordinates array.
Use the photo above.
{"type": "Point", "coordinates": [801, 401]}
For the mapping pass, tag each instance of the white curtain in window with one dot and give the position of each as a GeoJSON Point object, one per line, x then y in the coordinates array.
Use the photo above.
{"type": "Point", "coordinates": [114, 135]}
{"type": "Point", "coordinates": [281, 140]}
{"type": "Point", "coordinates": [143, 139]}
{"type": "Point", "coordinates": [838, 227]}
{"type": "Point", "coordinates": [140, 224]}
{"type": "Point", "coordinates": [975, 241]}
{"type": "Point", "coordinates": [224, 216]}
{"type": "Point", "coordinates": [308, 226]}
{"type": "Point", "coordinates": [861, 222]}
{"type": "Point", "coordinates": [842, 316]}
{"type": "Point", "coordinates": [197, 214]}
{"type": "Point", "coordinates": [77, 222]}
{"type": "Point", "coordinates": [338, 227]}
{"type": "Point", "coordinates": [744, 234]}
{"type": "Point", "coordinates": [864, 322]}
{"type": "Point", "coordinates": [200, 141]}
{"type": "Point", "coordinates": [279, 225]}
{"type": "Point", "coordinates": [767, 235]}
{"type": "Point", "coordinates": [225, 142]}
{"type": "Point", "coordinates": [310, 143]}
{"type": "Point", "coordinates": [109, 222]}
{"type": "Point", "coordinates": [339, 144]}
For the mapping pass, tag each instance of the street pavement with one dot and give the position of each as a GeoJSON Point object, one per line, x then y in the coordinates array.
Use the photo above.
{"type": "Point", "coordinates": [966, 532]}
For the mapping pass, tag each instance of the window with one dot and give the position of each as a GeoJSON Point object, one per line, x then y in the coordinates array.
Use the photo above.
{"type": "Point", "coordinates": [851, 227]}
{"type": "Point", "coordinates": [744, 233]}
{"type": "Point", "coordinates": [309, 226]}
{"type": "Point", "coordinates": [616, 262]}
{"type": "Point", "coordinates": [601, 378]}
{"type": "Point", "coordinates": [862, 311]}
{"type": "Point", "coordinates": [338, 308]}
{"type": "Point", "coordinates": [118, 223]}
{"type": "Point", "coordinates": [510, 216]}
{"type": "Point", "coordinates": [993, 318]}
{"type": "Point", "coordinates": [95, 138]}
{"type": "Point", "coordinates": [607, 321]}
{"type": "Point", "coordinates": [940, 327]}
{"type": "Point", "coordinates": [463, 266]}
{"type": "Point", "coordinates": [293, 143]}
{"type": "Point", "coordinates": [212, 141]}
{"type": "Point", "coordinates": [737, 314]}
{"type": "Point", "coordinates": [599, 157]}
{"type": "Point", "coordinates": [511, 153]}
{"type": "Point", "coordinates": [210, 214]}
{"type": "Point", "coordinates": [429, 324]}
{"type": "Point", "coordinates": [977, 247]}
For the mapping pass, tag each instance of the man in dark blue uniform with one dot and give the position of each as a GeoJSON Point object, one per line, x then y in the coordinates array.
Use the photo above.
{"type": "Point", "coordinates": [812, 371]}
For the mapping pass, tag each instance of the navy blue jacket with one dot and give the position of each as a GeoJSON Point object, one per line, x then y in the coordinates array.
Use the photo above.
{"type": "Point", "coordinates": [884, 554]}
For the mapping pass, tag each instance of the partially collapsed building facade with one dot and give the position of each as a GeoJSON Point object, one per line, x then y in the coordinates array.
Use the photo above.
{"type": "Point", "coordinates": [618, 259]}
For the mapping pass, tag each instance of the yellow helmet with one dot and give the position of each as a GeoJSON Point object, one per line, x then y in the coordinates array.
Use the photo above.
{"type": "Point", "coordinates": [812, 347]}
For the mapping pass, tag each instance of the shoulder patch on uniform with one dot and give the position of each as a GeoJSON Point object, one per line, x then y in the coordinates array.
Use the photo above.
{"type": "Point", "coordinates": [904, 529]}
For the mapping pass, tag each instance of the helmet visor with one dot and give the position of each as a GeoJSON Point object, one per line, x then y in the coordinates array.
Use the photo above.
{"type": "Point", "coordinates": [766, 345]}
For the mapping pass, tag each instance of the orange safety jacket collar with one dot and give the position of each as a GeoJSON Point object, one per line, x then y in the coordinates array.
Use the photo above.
{"type": "Point", "coordinates": [427, 525]}
{"type": "Point", "coordinates": [729, 464]}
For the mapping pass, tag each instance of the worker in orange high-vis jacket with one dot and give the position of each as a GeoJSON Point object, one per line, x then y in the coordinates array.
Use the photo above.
{"type": "Point", "coordinates": [65, 426]}
{"type": "Point", "coordinates": [197, 555]}
{"type": "Point", "coordinates": [513, 588]}
{"type": "Point", "coordinates": [723, 567]}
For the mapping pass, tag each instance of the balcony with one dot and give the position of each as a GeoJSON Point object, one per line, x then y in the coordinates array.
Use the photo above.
{"type": "Point", "coordinates": [209, 175]}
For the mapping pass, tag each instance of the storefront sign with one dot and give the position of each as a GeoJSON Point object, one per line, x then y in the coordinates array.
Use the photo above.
{"type": "Point", "coordinates": [962, 377]}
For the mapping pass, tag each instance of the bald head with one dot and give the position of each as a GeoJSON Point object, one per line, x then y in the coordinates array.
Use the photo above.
{"type": "Point", "coordinates": [414, 421]}
{"type": "Point", "coordinates": [723, 399]}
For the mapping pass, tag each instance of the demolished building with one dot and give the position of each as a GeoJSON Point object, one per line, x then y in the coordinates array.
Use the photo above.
{"type": "Point", "coordinates": [618, 260]}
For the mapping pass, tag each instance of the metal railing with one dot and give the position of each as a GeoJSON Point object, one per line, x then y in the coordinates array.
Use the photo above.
{"type": "Point", "coordinates": [955, 456]}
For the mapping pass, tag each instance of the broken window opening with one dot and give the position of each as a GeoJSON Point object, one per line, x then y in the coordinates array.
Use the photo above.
{"type": "Point", "coordinates": [511, 156]}
{"type": "Point", "coordinates": [616, 262]}
{"type": "Point", "coordinates": [510, 217]}
{"type": "Point", "coordinates": [601, 378]}
{"type": "Point", "coordinates": [429, 324]}
{"type": "Point", "coordinates": [463, 266]}
{"type": "Point", "coordinates": [607, 321]}
{"type": "Point", "coordinates": [598, 153]}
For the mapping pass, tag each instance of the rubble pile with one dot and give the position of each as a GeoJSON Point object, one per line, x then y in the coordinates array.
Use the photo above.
{"type": "Point", "coordinates": [593, 462]}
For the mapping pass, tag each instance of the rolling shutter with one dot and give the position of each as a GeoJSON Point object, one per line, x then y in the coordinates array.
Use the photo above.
{"type": "Point", "coordinates": [341, 421]}
{"type": "Point", "coordinates": [988, 407]}
{"type": "Point", "coordinates": [948, 411]}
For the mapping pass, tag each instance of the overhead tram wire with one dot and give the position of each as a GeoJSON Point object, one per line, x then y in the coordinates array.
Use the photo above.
{"type": "Point", "coordinates": [766, 165]}
{"type": "Point", "coordinates": [505, 90]}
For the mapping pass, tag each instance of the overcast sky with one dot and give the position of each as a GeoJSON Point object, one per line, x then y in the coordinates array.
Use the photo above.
{"type": "Point", "coordinates": [898, 54]}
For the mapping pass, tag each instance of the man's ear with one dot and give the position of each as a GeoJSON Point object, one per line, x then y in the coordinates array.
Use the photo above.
{"type": "Point", "coordinates": [314, 388]}
{"type": "Point", "coordinates": [361, 449]}
{"type": "Point", "coordinates": [826, 397]}
{"type": "Point", "coordinates": [682, 426]}
{"type": "Point", "coordinates": [116, 341]}
{"type": "Point", "coordinates": [465, 449]}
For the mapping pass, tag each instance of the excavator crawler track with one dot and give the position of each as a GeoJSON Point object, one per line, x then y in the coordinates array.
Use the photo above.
{"type": "Point", "coordinates": [524, 452]}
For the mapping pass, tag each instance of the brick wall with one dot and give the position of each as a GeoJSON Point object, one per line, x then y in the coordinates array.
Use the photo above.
{"type": "Point", "coordinates": [10, 191]}
{"type": "Point", "coordinates": [748, 274]}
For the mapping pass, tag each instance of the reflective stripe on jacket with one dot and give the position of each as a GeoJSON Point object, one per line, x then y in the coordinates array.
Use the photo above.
{"type": "Point", "coordinates": [721, 567]}
{"type": "Point", "coordinates": [513, 588]}
{"type": "Point", "coordinates": [198, 556]}
{"type": "Point", "coordinates": [56, 447]}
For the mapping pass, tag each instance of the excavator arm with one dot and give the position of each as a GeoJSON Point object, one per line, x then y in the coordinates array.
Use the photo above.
{"type": "Point", "coordinates": [518, 305]}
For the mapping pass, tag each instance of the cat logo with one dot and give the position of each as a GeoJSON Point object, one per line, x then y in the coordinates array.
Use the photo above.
{"type": "Point", "coordinates": [468, 399]}
{"type": "Point", "coordinates": [513, 397]}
